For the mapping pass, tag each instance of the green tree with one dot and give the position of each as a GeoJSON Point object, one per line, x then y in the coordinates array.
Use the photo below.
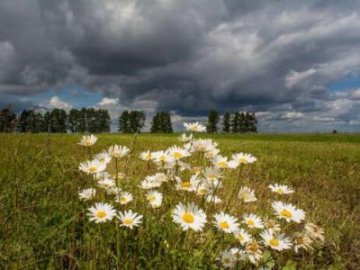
{"type": "Point", "coordinates": [7, 120]}
{"type": "Point", "coordinates": [124, 122]}
{"type": "Point", "coordinates": [213, 119]}
{"type": "Point", "coordinates": [235, 122]}
{"type": "Point", "coordinates": [58, 119]}
{"type": "Point", "coordinates": [161, 123]}
{"type": "Point", "coordinates": [104, 120]}
{"type": "Point", "coordinates": [226, 122]}
{"type": "Point", "coordinates": [137, 121]}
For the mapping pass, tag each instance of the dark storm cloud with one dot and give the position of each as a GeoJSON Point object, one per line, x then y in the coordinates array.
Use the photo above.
{"type": "Point", "coordinates": [273, 57]}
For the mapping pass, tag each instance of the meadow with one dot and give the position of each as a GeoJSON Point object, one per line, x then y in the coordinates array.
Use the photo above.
{"type": "Point", "coordinates": [43, 224]}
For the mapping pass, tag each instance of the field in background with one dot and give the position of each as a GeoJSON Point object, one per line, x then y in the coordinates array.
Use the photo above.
{"type": "Point", "coordinates": [39, 181]}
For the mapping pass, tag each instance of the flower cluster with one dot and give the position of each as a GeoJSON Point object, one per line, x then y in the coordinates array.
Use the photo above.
{"type": "Point", "coordinates": [193, 176]}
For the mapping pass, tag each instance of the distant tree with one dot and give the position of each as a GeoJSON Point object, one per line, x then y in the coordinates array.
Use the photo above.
{"type": "Point", "coordinates": [213, 119]}
{"type": "Point", "coordinates": [74, 120]}
{"type": "Point", "coordinates": [7, 120]}
{"type": "Point", "coordinates": [124, 122]}
{"type": "Point", "coordinates": [23, 121]}
{"type": "Point", "coordinates": [226, 122]}
{"type": "Point", "coordinates": [58, 119]}
{"type": "Point", "coordinates": [242, 122]}
{"type": "Point", "coordinates": [104, 120]}
{"type": "Point", "coordinates": [235, 122]}
{"type": "Point", "coordinates": [252, 122]}
{"type": "Point", "coordinates": [137, 121]}
{"type": "Point", "coordinates": [161, 123]}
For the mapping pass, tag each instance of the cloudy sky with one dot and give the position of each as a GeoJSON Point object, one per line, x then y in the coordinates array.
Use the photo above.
{"type": "Point", "coordinates": [295, 63]}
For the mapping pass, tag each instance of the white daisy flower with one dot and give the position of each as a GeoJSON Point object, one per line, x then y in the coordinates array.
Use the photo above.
{"type": "Point", "coordinates": [92, 167]}
{"type": "Point", "coordinates": [147, 156]}
{"type": "Point", "coordinates": [177, 152]}
{"type": "Point", "coordinates": [118, 151]}
{"type": "Point", "coordinates": [154, 198]}
{"type": "Point", "coordinates": [247, 194]}
{"type": "Point", "coordinates": [212, 174]}
{"type": "Point", "coordinates": [281, 189]}
{"type": "Point", "coordinates": [113, 190]}
{"type": "Point", "coordinates": [103, 157]}
{"type": "Point", "coordinates": [241, 158]}
{"type": "Point", "coordinates": [189, 217]}
{"type": "Point", "coordinates": [221, 162]}
{"type": "Point", "coordinates": [188, 185]}
{"type": "Point", "coordinates": [254, 251]}
{"type": "Point", "coordinates": [271, 224]}
{"type": "Point", "coordinates": [211, 198]}
{"type": "Point", "coordinates": [194, 127]}
{"type": "Point", "coordinates": [277, 242]}
{"type": "Point", "coordinates": [87, 194]}
{"type": "Point", "coordinates": [124, 198]}
{"type": "Point", "coordinates": [226, 223]}
{"type": "Point", "coordinates": [301, 241]}
{"type": "Point", "coordinates": [88, 140]}
{"type": "Point", "coordinates": [130, 219]}
{"type": "Point", "coordinates": [242, 236]}
{"type": "Point", "coordinates": [101, 212]}
{"type": "Point", "coordinates": [106, 183]}
{"type": "Point", "coordinates": [253, 221]}
{"type": "Point", "coordinates": [288, 212]}
{"type": "Point", "coordinates": [162, 157]}
{"type": "Point", "coordinates": [186, 138]}
{"type": "Point", "coordinates": [228, 259]}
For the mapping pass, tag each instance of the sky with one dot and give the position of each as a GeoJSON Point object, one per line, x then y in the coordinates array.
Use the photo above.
{"type": "Point", "coordinates": [295, 63]}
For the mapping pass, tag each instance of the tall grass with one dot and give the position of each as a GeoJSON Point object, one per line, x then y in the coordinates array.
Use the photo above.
{"type": "Point", "coordinates": [43, 224]}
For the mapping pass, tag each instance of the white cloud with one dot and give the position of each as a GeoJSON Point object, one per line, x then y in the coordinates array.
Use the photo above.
{"type": "Point", "coordinates": [292, 115]}
{"type": "Point", "coordinates": [56, 102]}
{"type": "Point", "coordinates": [295, 77]}
{"type": "Point", "coordinates": [108, 101]}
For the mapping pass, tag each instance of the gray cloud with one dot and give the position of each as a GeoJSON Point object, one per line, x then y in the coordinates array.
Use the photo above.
{"type": "Point", "coordinates": [274, 57]}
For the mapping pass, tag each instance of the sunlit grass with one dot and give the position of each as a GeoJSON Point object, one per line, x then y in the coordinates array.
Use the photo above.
{"type": "Point", "coordinates": [43, 223]}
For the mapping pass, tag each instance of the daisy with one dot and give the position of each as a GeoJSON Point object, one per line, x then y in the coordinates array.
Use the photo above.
{"type": "Point", "coordinates": [88, 140]}
{"type": "Point", "coordinates": [288, 212]}
{"type": "Point", "coordinates": [147, 156]}
{"type": "Point", "coordinates": [241, 158]}
{"type": "Point", "coordinates": [118, 151]}
{"type": "Point", "coordinates": [242, 236]}
{"type": "Point", "coordinates": [226, 223]}
{"type": "Point", "coordinates": [106, 183]}
{"type": "Point", "coordinates": [154, 198]}
{"type": "Point", "coordinates": [247, 194]}
{"type": "Point", "coordinates": [185, 138]}
{"type": "Point", "coordinates": [103, 157]}
{"type": "Point", "coordinates": [221, 162]}
{"type": "Point", "coordinates": [87, 194]}
{"type": "Point", "coordinates": [124, 198]}
{"type": "Point", "coordinates": [211, 153]}
{"type": "Point", "coordinates": [277, 242]}
{"type": "Point", "coordinates": [228, 259]}
{"type": "Point", "coordinates": [92, 167]}
{"type": "Point", "coordinates": [149, 183]}
{"type": "Point", "coordinates": [273, 225]}
{"type": "Point", "coordinates": [188, 185]}
{"type": "Point", "coordinates": [213, 199]}
{"type": "Point", "coordinates": [194, 127]}
{"type": "Point", "coordinates": [161, 157]}
{"type": "Point", "coordinates": [113, 190]}
{"type": "Point", "coordinates": [253, 251]}
{"type": "Point", "coordinates": [253, 221]}
{"type": "Point", "coordinates": [189, 217]}
{"type": "Point", "coordinates": [101, 212]}
{"type": "Point", "coordinates": [301, 241]}
{"type": "Point", "coordinates": [281, 189]}
{"type": "Point", "coordinates": [314, 232]}
{"type": "Point", "coordinates": [203, 189]}
{"type": "Point", "coordinates": [130, 219]}
{"type": "Point", "coordinates": [201, 145]}
{"type": "Point", "coordinates": [177, 152]}
{"type": "Point", "coordinates": [212, 173]}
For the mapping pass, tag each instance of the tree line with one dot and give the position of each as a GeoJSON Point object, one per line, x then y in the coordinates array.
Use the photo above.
{"type": "Point", "coordinates": [90, 120]}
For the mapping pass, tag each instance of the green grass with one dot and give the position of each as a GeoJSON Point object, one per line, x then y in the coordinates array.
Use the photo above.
{"type": "Point", "coordinates": [42, 222]}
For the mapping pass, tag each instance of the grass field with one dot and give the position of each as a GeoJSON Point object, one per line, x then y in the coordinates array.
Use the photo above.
{"type": "Point", "coordinates": [43, 225]}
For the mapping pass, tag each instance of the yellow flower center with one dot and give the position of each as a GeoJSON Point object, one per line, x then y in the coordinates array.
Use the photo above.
{"type": "Point", "coordinates": [92, 169]}
{"type": "Point", "coordinates": [151, 198]}
{"type": "Point", "coordinates": [162, 158]}
{"type": "Point", "coordinates": [274, 242]}
{"type": "Point", "coordinates": [188, 217]}
{"type": "Point", "coordinates": [100, 214]}
{"type": "Point", "coordinates": [222, 164]}
{"type": "Point", "coordinates": [243, 160]}
{"type": "Point", "coordinates": [186, 184]}
{"type": "Point", "coordinates": [128, 221]}
{"type": "Point", "coordinates": [177, 155]}
{"type": "Point", "coordinates": [123, 200]}
{"type": "Point", "coordinates": [280, 191]}
{"type": "Point", "coordinates": [240, 237]}
{"type": "Point", "coordinates": [286, 213]}
{"type": "Point", "coordinates": [224, 225]}
{"type": "Point", "coordinates": [250, 222]}
{"type": "Point", "coordinates": [252, 248]}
